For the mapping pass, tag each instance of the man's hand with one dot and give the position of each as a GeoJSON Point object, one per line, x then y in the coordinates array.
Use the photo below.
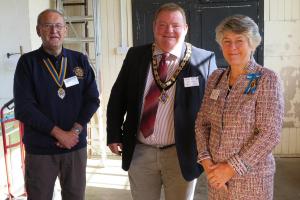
{"type": "Point", "coordinates": [66, 139]}
{"type": "Point", "coordinates": [77, 128]}
{"type": "Point", "coordinates": [116, 148]}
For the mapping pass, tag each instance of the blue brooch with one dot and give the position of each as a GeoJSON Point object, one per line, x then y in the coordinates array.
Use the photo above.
{"type": "Point", "coordinates": [253, 81]}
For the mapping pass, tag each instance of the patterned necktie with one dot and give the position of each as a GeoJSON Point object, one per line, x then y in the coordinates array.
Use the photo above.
{"type": "Point", "coordinates": [152, 99]}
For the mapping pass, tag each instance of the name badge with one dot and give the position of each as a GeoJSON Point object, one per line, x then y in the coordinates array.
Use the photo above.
{"type": "Point", "coordinates": [71, 81]}
{"type": "Point", "coordinates": [215, 94]}
{"type": "Point", "coordinates": [191, 81]}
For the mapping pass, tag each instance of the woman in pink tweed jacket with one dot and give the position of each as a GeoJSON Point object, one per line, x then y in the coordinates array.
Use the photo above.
{"type": "Point", "coordinates": [240, 119]}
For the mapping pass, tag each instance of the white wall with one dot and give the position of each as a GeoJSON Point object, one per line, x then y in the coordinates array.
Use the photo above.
{"type": "Point", "coordinates": [14, 31]}
{"type": "Point", "coordinates": [111, 61]}
{"type": "Point", "coordinates": [282, 54]}
{"type": "Point", "coordinates": [17, 28]}
{"type": "Point", "coordinates": [35, 7]}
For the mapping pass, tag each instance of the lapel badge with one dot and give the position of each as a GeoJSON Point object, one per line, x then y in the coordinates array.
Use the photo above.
{"type": "Point", "coordinates": [79, 72]}
{"type": "Point", "coordinates": [253, 81]}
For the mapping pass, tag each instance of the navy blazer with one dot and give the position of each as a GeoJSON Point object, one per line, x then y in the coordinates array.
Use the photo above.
{"type": "Point", "coordinates": [126, 99]}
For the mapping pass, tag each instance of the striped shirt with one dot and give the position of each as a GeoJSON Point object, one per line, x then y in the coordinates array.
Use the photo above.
{"type": "Point", "coordinates": [163, 133]}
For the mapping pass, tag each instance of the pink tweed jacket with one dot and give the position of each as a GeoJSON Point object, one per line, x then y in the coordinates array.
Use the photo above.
{"type": "Point", "coordinates": [241, 129]}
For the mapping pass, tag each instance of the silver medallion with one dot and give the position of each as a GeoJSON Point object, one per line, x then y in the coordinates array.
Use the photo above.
{"type": "Point", "coordinates": [61, 93]}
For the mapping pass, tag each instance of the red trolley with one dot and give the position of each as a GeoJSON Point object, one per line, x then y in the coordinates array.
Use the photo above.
{"type": "Point", "coordinates": [12, 132]}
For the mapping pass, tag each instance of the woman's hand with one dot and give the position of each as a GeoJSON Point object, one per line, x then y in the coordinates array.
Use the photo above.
{"type": "Point", "coordinates": [206, 164]}
{"type": "Point", "coordinates": [219, 174]}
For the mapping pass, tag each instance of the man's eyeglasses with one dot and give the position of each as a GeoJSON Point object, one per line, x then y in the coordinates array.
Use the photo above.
{"type": "Point", "coordinates": [49, 26]}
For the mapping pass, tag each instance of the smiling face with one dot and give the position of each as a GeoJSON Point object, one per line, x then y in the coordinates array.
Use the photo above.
{"type": "Point", "coordinates": [169, 30]}
{"type": "Point", "coordinates": [52, 30]}
{"type": "Point", "coordinates": [236, 49]}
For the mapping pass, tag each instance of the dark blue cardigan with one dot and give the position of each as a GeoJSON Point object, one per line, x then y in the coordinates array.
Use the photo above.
{"type": "Point", "coordinates": [38, 106]}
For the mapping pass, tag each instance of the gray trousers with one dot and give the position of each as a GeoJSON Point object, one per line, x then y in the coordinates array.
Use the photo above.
{"type": "Point", "coordinates": [41, 172]}
{"type": "Point", "coordinates": [152, 169]}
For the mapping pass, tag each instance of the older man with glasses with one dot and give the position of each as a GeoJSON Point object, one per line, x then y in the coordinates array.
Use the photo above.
{"type": "Point", "coordinates": [55, 97]}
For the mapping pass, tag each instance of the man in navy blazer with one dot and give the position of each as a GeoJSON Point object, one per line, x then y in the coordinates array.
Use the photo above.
{"type": "Point", "coordinates": [167, 155]}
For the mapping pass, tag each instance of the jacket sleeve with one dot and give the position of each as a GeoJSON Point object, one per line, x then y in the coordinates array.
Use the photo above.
{"type": "Point", "coordinates": [116, 108]}
{"type": "Point", "coordinates": [269, 117]}
{"type": "Point", "coordinates": [90, 95]}
{"type": "Point", "coordinates": [26, 109]}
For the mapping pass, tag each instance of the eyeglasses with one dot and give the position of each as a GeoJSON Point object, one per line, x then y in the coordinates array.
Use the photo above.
{"type": "Point", "coordinates": [49, 26]}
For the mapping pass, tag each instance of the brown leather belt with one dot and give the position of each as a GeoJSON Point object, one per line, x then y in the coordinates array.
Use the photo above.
{"type": "Point", "coordinates": [165, 147]}
{"type": "Point", "coordinates": [161, 147]}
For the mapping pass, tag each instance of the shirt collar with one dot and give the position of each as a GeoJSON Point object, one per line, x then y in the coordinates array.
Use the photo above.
{"type": "Point", "coordinates": [251, 66]}
{"type": "Point", "coordinates": [175, 52]}
{"type": "Point", "coordinates": [52, 57]}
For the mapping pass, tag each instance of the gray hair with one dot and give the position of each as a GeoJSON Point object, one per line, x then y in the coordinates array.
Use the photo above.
{"type": "Point", "coordinates": [239, 24]}
{"type": "Point", "coordinates": [39, 19]}
{"type": "Point", "coordinates": [170, 7]}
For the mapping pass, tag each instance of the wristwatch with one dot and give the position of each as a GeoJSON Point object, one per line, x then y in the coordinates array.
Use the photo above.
{"type": "Point", "coordinates": [77, 130]}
